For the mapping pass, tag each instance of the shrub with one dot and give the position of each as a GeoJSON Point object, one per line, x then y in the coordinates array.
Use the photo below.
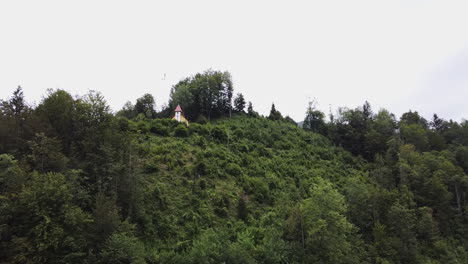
{"type": "Point", "coordinates": [195, 128]}
{"type": "Point", "coordinates": [200, 141]}
{"type": "Point", "coordinates": [233, 169]}
{"type": "Point", "coordinates": [123, 248]}
{"type": "Point", "coordinates": [181, 131]}
{"type": "Point", "coordinates": [219, 134]}
{"type": "Point", "coordinates": [159, 129]}
{"type": "Point", "coordinates": [258, 188]}
{"type": "Point", "coordinates": [143, 127]}
{"type": "Point", "coordinates": [201, 119]}
{"type": "Point", "coordinates": [123, 124]}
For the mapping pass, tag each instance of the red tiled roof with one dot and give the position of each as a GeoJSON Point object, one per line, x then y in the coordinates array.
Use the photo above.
{"type": "Point", "coordinates": [178, 109]}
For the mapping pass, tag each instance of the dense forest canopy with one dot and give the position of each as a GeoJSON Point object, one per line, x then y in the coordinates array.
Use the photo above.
{"type": "Point", "coordinates": [81, 184]}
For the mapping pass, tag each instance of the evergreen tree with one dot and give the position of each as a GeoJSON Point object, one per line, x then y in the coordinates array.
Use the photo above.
{"type": "Point", "coordinates": [438, 124]}
{"type": "Point", "coordinates": [275, 115]}
{"type": "Point", "coordinates": [239, 103]}
{"type": "Point", "coordinates": [367, 110]}
{"type": "Point", "coordinates": [17, 103]}
{"type": "Point", "coordinates": [16, 115]}
{"type": "Point", "coordinates": [250, 110]}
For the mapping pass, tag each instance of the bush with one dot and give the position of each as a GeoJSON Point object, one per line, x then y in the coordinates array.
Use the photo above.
{"type": "Point", "coordinates": [234, 170]}
{"type": "Point", "coordinates": [201, 119]}
{"type": "Point", "coordinates": [181, 131]}
{"type": "Point", "coordinates": [123, 124]}
{"type": "Point", "coordinates": [195, 128]}
{"type": "Point", "coordinates": [206, 130]}
{"type": "Point", "coordinates": [151, 167]}
{"type": "Point", "coordinates": [220, 134]}
{"type": "Point", "coordinates": [200, 141]}
{"type": "Point", "coordinates": [143, 126]}
{"type": "Point", "coordinates": [258, 188]}
{"type": "Point", "coordinates": [159, 129]}
{"type": "Point", "coordinates": [123, 248]}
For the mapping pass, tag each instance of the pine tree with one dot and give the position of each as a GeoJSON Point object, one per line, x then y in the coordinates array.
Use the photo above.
{"type": "Point", "coordinates": [17, 104]}
{"type": "Point", "coordinates": [275, 114]}
{"type": "Point", "coordinates": [239, 103]}
{"type": "Point", "coordinates": [250, 111]}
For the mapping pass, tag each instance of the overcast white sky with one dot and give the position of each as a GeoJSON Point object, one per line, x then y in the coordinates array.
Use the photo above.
{"type": "Point", "coordinates": [399, 55]}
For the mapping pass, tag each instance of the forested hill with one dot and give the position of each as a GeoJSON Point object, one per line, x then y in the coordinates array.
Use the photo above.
{"type": "Point", "coordinates": [80, 184]}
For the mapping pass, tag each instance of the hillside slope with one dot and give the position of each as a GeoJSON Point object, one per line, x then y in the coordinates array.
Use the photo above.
{"type": "Point", "coordinates": [81, 185]}
{"type": "Point", "coordinates": [245, 178]}
{"type": "Point", "coordinates": [246, 190]}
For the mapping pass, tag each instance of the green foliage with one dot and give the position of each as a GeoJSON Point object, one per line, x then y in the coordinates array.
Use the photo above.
{"type": "Point", "coordinates": [349, 130]}
{"type": "Point", "coordinates": [128, 111]}
{"type": "Point", "coordinates": [15, 122]}
{"type": "Point", "coordinates": [159, 128]}
{"type": "Point", "coordinates": [58, 110]}
{"type": "Point", "coordinates": [239, 103]}
{"type": "Point", "coordinates": [201, 119]}
{"type": "Point", "coordinates": [220, 134]}
{"type": "Point", "coordinates": [314, 120]}
{"type": "Point", "coordinates": [250, 111]}
{"type": "Point", "coordinates": [145, 105]}
{"type": "Point", "coordinates": [327, 232]}
{"type": "Point", "coordinates": [213, 246]}
{"type": "Point", "coordinates": [242, 211]}
{"type": "Point", "coordinates": [123, 248]}
{"type": "Point", "coordinates": [11, 176]}
{"type": "Point", "coordinates": [17, 103]}
{"type": "Point", "coordinates": [273, 249]}
{"type": "Point", "coordinates": [79, 184]}
{"type": "Point", "coordinates": [413, 118]}
{"type": "Point", "coordinates": [181, 131]}
{"type": "Point", "coordinates": [46, 154]}
{"type": "Point", "coordinates": [208, 94]}
{"type": "Point", "coordinates": [416, 135]}
{"type": "Point", "coordinates": [275, 115]}
{"type": "Point", "coordinates": [54, 228]}
{"type": "Point", "coordinates": [106, 218]}
{"type": "Point", "coordinates": [257, 188]}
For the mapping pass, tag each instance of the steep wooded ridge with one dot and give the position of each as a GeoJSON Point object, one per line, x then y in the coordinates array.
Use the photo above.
{"type": "Point", "coordinates": [79, 184]}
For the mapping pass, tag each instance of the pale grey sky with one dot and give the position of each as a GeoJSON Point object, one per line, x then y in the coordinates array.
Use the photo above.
{"type": "Point", "coordinates": [399, 55]}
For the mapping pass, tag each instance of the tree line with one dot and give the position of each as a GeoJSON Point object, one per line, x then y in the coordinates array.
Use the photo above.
{"type": "Point", "coordinates": [81, 184]}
